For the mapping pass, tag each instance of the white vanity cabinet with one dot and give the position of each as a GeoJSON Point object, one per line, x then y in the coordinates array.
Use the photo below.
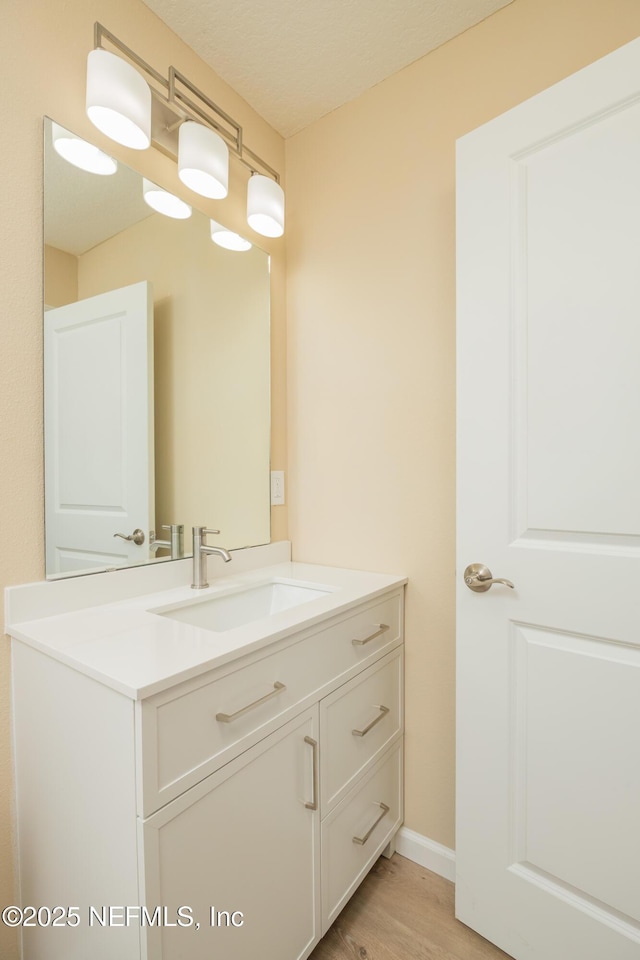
{"type": "Point", "coordinates": [243, 844]}
{"type": "Point", "coordinates": [246, 802]}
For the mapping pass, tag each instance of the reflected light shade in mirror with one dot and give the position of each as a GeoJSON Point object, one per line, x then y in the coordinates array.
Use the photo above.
{"type": "Point", "coordinates": [81, 154]}
{"type": "Point", "coordinates": [203, 160]}
{"type": "Point", "coordinates": [118, 100]}
{"type": "Point", "coordinates": [227, 239]}
{"type": "Point", "coordinates": [265, 206]}
{"type": "Point", "coordinates": [164, 202]}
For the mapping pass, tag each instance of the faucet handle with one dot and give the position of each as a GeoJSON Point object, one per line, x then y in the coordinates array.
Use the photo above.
{"type": "Point", "coordinates": [199, 534]}
{"type": "Point", "coordinates": [205, 531]}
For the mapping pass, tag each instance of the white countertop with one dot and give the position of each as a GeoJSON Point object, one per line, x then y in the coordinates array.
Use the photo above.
{"type": "Point", "coordinates": [138, 653]}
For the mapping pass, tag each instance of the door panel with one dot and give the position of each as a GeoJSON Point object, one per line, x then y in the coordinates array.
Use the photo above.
{"type": "Point", "coordinates": [548, 786]}
{"type": "Point", "coordinates": [578, 249]}
{"type": "Point", "coordinates": [99, 477]}
{"type": "Point", "coordinates": [576, 717]}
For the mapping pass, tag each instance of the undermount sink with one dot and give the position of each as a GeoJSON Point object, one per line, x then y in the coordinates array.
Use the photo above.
{"type": "Point", "coordinates": [231, 610]}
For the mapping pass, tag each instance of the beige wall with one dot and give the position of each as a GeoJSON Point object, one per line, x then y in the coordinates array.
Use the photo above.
{"type": "Point", "coordinates": [211, 349]}
{"type": "Point", "coordinates": [43, 49]}
{"type": "Point", "coordinates": [371, 315]}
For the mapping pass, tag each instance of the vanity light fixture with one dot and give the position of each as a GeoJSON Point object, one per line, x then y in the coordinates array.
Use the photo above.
{"type": "Point", "coordinates": [203, 160]}
{"type": "Point", "coordinates": [81, 154]}
{"type": "Point", "coordinates": [137, 106]}
{"type": "Point", "coordinates": [118, 100]}
{"type": "Point", "coordinates": [227, 239]}
{"type": "Point", "coordinates": [164, 202]}
{"type": "Point", "coordinates": [265, 206]}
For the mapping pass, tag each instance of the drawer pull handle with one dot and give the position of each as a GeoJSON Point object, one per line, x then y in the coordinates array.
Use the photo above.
{"type": "Point", "coordinates": [385, 810]}
{"type": "Point", "coordinates": [230, 717]}
{"type": "Point", "coordinates": [382, 628]}
{"type": "Point", "coordinates": [313, 804]}
{"type": "Point", "coordinates": [383, 712]}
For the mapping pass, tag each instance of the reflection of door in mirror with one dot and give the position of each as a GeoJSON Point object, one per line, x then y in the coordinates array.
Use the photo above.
{"type": "Point", "coordinates": [98, 415]}
{"type": "Point", "coordinates": [211, 355]}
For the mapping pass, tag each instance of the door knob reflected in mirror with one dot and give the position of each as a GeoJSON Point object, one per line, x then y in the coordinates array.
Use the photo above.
{"type": "Point", "coordinates": [137, 536]}
{"type": "Point", "coordinates": [479, 578]}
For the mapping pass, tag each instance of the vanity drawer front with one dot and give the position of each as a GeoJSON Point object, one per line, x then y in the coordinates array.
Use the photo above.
{"type": "Point", "coordinates": [359, 639]}
{"type": "Point", "coordinates": [358, 722]}
{"type": "Point", "coordinates": [357, 830]}
{"type": "Point", "coordinates": [197, 730]}
{"type": "Point", "coordinates": [191, 730]}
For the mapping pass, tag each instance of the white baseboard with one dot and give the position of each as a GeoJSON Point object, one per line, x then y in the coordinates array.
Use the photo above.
{"type": "Point", "coordinates": [434, 856]}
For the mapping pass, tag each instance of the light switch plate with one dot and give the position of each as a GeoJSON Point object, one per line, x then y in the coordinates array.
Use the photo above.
{"type": "Point", "coordinates": [277, 487]}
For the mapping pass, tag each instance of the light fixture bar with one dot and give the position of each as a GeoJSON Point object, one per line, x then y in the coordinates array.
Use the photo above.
{"type": "Point", "coordinates": [175, 94]}
{"type": "Point", "coordinates": [170, 106]}
{"type": "Point", "coordinates": [100, 33]}
{"type": "Point", "coordinates": [265, 166]}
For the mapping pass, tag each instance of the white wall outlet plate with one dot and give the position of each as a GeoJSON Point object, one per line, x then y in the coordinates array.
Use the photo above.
{"type": "Point", "coordinates": [277, 487]}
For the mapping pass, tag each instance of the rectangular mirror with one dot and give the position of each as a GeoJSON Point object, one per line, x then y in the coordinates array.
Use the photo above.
{"type": "Point", "coordinates": [157, 376]}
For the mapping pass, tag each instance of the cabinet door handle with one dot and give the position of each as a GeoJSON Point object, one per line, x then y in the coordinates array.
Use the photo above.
{"type": "Point", "coordinates": [230, 717]}
{"type": "Point", "coordinates": [313, 804]}
{"type": "Point", "coordinates": [360, 733]}
{"type": "Point", "coordinates": [382, 628]}
{"type": "Point", "coordinates": [385, 810]}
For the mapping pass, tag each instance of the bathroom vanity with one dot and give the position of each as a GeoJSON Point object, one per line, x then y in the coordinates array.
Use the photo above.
{"type": "Point", "coordinates": [232, 758]}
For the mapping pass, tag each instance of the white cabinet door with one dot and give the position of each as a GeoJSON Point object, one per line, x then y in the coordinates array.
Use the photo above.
{"type": "Point", "coordinates": [245, 845]}
{"type": "Point", "coordinates": [98, 416]}
{"type": "Point", "coordinates": [548, 802]}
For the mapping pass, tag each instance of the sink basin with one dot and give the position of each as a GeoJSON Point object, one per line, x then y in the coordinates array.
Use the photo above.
{"type": "Point", "coordinates": [233, 610]}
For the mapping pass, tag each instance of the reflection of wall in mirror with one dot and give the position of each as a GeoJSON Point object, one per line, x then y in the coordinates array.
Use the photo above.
{"type": "Point", "coordinates": [211, 336]}
{"type": "Point", "coordinates": [61, 277]}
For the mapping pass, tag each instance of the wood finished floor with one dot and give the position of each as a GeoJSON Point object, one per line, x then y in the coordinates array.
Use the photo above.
{"type": "Point", "coordinates": [402, 912]}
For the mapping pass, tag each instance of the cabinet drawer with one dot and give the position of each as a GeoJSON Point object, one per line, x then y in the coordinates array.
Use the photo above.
{"type": "Point", "coordinates": [190, 730]}
{"type": "Point", "coordinates": [357, 830]}
{"type": "Point", "coordinates": [358, 722]}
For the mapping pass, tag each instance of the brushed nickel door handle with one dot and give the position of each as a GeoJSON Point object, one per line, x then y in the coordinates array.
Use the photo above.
{"type": "Point", "coordinates": [137, 536]}
{"type": "Point", "coordinates": [479, 578]}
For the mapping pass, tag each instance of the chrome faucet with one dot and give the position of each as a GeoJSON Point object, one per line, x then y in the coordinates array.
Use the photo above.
{"type": "Point", "coordinates": [200, 553]}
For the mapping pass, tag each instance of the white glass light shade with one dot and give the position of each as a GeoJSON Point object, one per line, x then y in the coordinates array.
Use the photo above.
{"type": "Point", "coordinates": [203, 160]}
{"type": "Point", "coordinates": [265, 206]}
{"type": "Point", "coordinates": [81, 154]}
{"type": "Point", "coordinates": [118, 100]}
{"type": "Point", "coordinates": [164, 202]}
{"type": "Point", "coordinates": [227, 239]}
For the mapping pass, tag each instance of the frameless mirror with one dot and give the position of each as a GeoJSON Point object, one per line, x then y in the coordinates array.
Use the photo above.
{"type": "Point", "coordinates": [157, 376]}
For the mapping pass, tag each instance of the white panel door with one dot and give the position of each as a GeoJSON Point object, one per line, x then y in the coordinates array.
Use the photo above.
{"type": "Point", "coordinates": [98, 414]}
{"type": "Point", "coordinates": [548, 801]}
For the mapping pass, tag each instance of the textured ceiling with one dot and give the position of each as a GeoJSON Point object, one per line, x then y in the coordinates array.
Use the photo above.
{"type": "Point", "coordinates": [296, 60]}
